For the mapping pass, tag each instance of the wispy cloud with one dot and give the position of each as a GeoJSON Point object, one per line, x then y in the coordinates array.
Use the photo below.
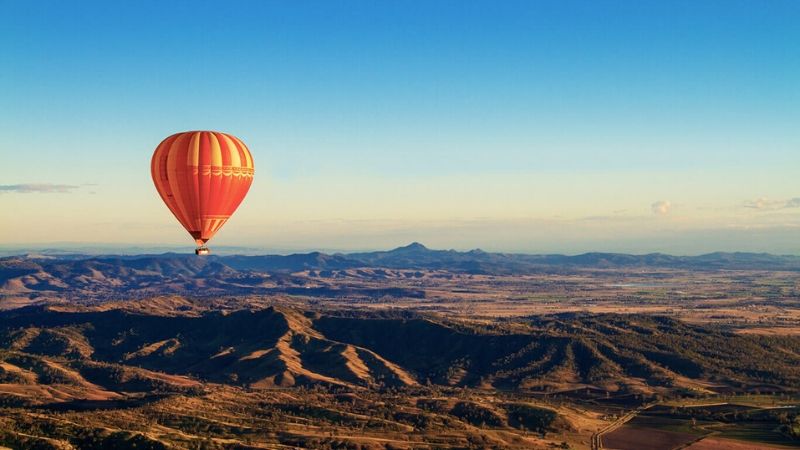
{"type": "Point", "coordinates": [42, 188]}
{"type": "Point", "coordinates": [793, 203]}
{"type": "Point", "coordinates": [661, 207]}
{"type": "Point", "coordinates": [765, 204]}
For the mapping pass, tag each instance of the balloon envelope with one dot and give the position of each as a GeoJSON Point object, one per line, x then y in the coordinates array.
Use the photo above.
{"type": "Point", "coordinates": [202, 176]}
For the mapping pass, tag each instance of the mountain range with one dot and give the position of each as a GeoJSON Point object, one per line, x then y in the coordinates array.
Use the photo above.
{"type": "Point", "coordinates": [34, 276]}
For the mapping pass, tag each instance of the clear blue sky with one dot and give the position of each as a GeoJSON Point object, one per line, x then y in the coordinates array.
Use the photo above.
{"type": "Point", "coordinates": [534, 126]}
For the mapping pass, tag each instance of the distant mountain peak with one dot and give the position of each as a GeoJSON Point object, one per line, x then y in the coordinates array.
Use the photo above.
{"type": "Point", "coordinates": [414, 246]}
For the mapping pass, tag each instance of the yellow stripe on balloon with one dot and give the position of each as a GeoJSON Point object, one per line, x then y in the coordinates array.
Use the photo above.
{"type": "Point", "coordinates": [220, 223]}
{"type": "Point", "coordinates": [193, 155]}
{"type": "Point", "coordinates": [216, 152]}
{"type": "Point", "coordinates": [248, 158]}
{"type": "Point", "coordinates": [236, 161]}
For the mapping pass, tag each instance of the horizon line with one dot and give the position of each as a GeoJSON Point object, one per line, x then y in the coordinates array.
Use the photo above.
{"type": "Point", "coordinates": [96, 249]}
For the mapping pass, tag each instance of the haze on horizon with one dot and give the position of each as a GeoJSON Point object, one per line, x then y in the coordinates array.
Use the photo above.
{"type": "Point", "coordinates": [548, 126]}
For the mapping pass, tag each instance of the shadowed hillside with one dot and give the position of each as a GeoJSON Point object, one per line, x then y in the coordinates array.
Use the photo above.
{"type": "Point", "coordinates": [287, 347]}
{"type": "Point", "coordinates": [172, 372]}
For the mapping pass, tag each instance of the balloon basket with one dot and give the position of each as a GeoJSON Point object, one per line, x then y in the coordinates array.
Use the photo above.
{"type": "Point", "coordinates": [200, 251]}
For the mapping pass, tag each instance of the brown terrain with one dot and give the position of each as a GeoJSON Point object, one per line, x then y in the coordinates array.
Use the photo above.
{"type": "Point", "coordinates": [411, 348]}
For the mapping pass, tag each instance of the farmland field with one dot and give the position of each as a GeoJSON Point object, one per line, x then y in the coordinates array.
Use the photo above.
{"type": "Point", "coordinates": [713, 443]}
{"type": "Point", "coordinates": [713, 425]}
{"type": "Point", "coordinates": [635, 438]}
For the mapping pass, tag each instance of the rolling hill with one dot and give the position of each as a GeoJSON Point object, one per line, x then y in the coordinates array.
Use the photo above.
{"type": "Point", "coordinates": [288, 347]}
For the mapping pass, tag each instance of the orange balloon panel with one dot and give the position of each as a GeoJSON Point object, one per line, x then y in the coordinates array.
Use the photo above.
{"type": "Point", "coordinates": [202, 176]}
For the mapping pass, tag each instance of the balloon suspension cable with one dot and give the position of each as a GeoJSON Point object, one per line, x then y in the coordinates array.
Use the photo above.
{"type": "Point", "coordinates": [202, 250]}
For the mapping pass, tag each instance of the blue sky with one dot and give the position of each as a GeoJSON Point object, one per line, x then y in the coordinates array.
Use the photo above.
{"type": "Point", "coordinates": [538, 126]}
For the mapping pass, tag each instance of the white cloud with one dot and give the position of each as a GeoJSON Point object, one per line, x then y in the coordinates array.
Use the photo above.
{"type": "Point", "coordinates": [761, 203]}
{"type": "Point", "coordinates": [44, 188]}
{"type": "Point", "coordinates": [764, 204]}
{"type": "Point", "coordinates": [661, 207]}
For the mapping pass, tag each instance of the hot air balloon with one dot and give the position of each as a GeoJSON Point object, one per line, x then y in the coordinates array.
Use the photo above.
{"type": "Point", "coordinates": [202, 176]}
